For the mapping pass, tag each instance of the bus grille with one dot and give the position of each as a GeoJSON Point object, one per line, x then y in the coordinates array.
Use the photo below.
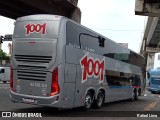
{"type": "Point", "coordinates": [33, 58]}
{"type": "Point", "coordinates": [29, 67]}
{"type": "Point", "coordinates": [31, 75]}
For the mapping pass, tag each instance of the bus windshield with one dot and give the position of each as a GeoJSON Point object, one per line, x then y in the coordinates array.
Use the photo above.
{"type": "Point", "coordinates": [155, 80]}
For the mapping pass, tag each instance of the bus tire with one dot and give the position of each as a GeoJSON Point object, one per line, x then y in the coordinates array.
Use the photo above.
{"type": "Point", "coordinates": [136, 95]}
{"type": "Point", "coordinates": [153, 92]}
{"type": "Point", "coordinates": [133, 97]}
{"type": "Point", "coordinates": [4, 81]}
{"type": "Point", "coordinates": [100, 100]}
{"type": "Point", "coordinates": [88, 101]}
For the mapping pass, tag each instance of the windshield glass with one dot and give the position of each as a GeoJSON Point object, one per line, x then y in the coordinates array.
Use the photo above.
{"type": "Point", "coordinates": [155, 81]}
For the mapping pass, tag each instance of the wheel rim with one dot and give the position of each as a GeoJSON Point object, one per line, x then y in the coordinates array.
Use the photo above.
{"type": "Point", "coordinates": [88, 101]}
{"type": "Point", "coordinates": [133, 97]}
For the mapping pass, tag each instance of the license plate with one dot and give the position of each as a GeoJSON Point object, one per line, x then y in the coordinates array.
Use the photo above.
{"type": "Point", "coordinates": [27, 100]}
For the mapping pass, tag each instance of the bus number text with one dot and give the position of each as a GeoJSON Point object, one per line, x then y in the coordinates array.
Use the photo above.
{"type": "Point", "coordinates": [31, 28]}
{"type": "Point", "coordinates": [91, 67]}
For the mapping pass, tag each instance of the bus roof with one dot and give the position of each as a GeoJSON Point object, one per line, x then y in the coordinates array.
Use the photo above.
{"type": "Point", "coordinates": [40, 17]}
{"type": "Point", "coordinates": [58, 17]}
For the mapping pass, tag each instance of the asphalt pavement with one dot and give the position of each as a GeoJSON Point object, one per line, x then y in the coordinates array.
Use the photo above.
{"type": "Point", "coordinates": [147, 107]}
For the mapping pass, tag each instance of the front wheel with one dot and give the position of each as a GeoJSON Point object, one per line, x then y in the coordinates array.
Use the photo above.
{"type": "Point", "coordinates": [4, 81]}
{"type": "Point", "coordinates": [153, 92]}
{"type": "Point", "coordinates": [100, 100]}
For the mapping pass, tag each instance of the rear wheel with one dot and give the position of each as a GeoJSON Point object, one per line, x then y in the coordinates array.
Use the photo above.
{"type": "Point", "coordinates": [88, 101]}
{"type": "Point", "coordinates": [136, 95]}
{"type": "Point", "coordinates": [100, 100]}
{"type": "Point", "coordinates": [133, 97]}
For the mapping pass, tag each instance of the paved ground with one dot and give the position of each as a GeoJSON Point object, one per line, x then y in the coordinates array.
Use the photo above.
{"type": "Point", "coordinates": [149, 104]}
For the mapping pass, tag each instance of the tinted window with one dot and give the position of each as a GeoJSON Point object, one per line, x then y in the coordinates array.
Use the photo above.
{"type": "Point", "coordinates": [115, 78]}
{"type": "Point", "coordinates": [2, 71]}
{"type": "Point", "coordinates": [88, 42]}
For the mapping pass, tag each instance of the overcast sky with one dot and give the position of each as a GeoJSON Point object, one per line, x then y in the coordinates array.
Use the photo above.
{"type": "Point", "coordinates": [115, 19]}
{"type": "Point", "coordinates": [6, 27]}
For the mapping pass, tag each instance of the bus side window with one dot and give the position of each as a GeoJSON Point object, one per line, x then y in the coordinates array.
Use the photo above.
{"type": "Point", "coordinates": [2, 70]}
{"type": "Point", "coordinates": [136, 80]}
{"type": "Point", "coordinates": [109, 81]}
